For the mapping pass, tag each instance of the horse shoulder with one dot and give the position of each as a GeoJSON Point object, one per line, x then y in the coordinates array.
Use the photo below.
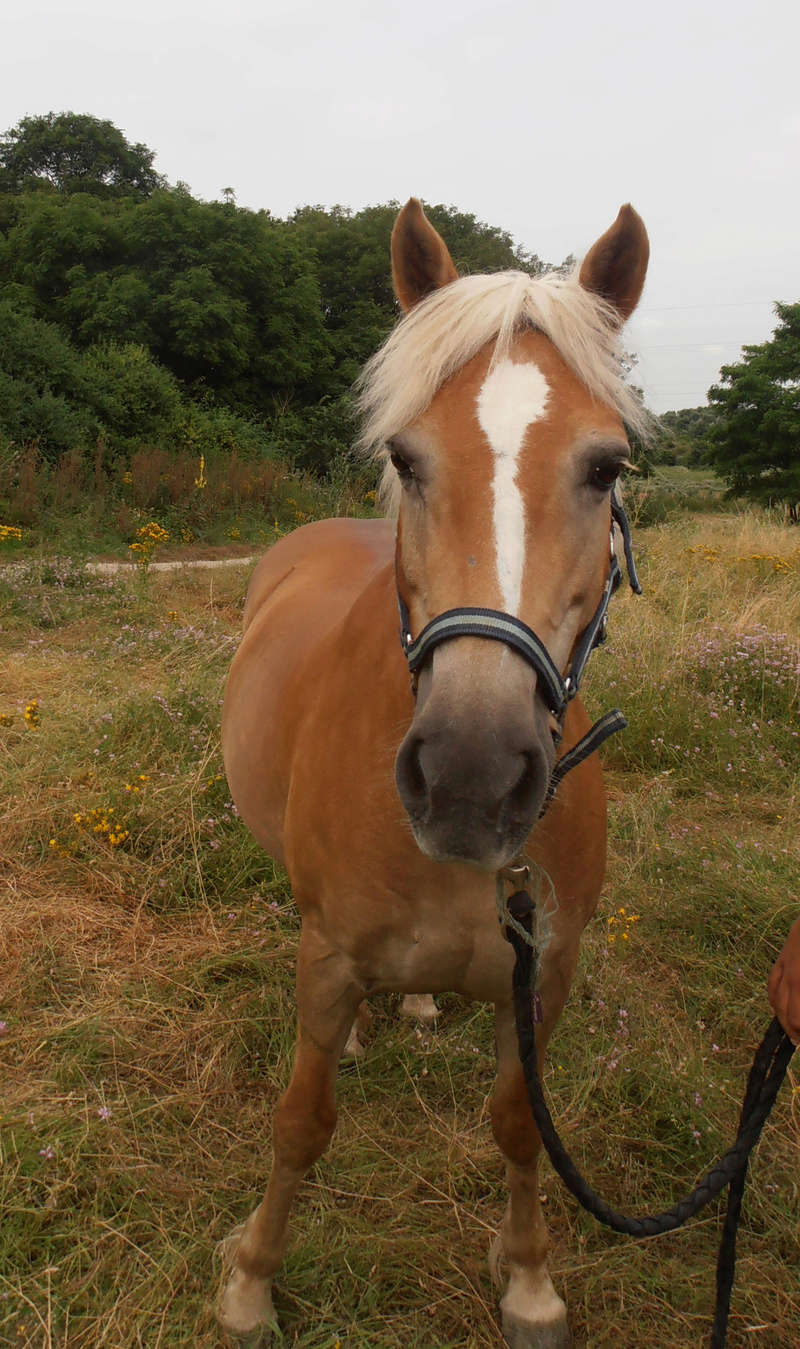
{"type": "Point", "coordinates": [300, 591]}
{"type": "Point", "coordinates": [322, 555]}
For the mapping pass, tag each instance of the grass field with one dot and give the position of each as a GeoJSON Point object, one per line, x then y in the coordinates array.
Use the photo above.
{"type": "Point", "coordinates": [146, 987]}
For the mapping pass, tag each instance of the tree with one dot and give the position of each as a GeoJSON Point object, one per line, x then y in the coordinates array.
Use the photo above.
{"type": "Point", "coordinates": [74, 152]}
{"type": "Point", "coordinates": [755, 445]}
{"type": "Point", "coordinates": [59, 397]}
{"type": "Point", "coordinates": [684, 436]}
{"type": "Point", "coordinates": [254, 317]}
{"type": "Point", "coordinates": [41, 385]}
{"type": "Point", "coordinates": [227, 299]}
{"type": "Point", "coordinates": [351, 250]}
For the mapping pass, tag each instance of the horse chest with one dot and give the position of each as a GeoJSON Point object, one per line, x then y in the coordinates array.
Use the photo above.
{"type": "Point", "coordinates": [448, 951]}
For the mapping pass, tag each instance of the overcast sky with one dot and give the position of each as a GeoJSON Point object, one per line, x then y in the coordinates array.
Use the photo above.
{"type": "Point", "coordinates": [540, 118]}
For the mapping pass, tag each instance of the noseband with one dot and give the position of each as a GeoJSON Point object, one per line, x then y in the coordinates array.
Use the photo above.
{"type": "Point", "coordinates": [556, 690]}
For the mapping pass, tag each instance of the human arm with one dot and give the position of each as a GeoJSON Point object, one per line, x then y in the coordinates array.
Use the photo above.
{"type": "Point", "coordinates": [783, 988]}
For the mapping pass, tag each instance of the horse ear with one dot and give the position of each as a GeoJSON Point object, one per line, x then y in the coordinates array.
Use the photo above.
{"type": "Point", "coordinates": [420, 260]}
{"type": "Point", "coordinates": [615, 267]}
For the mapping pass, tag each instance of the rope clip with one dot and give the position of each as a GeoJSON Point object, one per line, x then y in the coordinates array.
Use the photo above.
{"type": "Point", "coordinates": [516, 873]}
{"type": "Point", "coordinates": [518, 911]}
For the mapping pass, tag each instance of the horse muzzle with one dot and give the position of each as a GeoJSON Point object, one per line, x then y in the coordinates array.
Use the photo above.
{"type": "Point", "coordinates": [473, 784]}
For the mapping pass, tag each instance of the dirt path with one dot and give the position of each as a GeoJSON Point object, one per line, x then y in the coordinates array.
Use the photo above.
{"type": "Point", "coordinates": [199, 564]}
{"type": "Point", "coordinates": [175, 564]}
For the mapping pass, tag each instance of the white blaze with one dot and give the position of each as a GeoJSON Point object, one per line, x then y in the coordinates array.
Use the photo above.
{"type": "Point", "coordinates": [512, 397]}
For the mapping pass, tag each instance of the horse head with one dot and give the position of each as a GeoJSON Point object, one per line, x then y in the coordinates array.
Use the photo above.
{"type": "Point", "coordinates": [500, 406]}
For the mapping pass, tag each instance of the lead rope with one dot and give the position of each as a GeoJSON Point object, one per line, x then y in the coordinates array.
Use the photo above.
{"type": "Point", "coordinates": [518, 916]}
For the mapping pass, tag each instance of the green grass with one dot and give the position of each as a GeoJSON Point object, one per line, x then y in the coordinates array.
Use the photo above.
{"type": "Point", "coordinates": [147, 990]}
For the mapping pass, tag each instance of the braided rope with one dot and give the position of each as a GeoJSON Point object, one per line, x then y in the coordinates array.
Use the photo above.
{"type": "Point", "coordinates": [767, 1074]}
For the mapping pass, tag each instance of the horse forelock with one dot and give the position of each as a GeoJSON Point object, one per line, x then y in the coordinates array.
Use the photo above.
{"type": "Point", "coordinates": [447, 329]}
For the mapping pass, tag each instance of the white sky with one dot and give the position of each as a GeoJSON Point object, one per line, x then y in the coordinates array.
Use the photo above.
{"type": "Point", "coordinates": [537, 117]}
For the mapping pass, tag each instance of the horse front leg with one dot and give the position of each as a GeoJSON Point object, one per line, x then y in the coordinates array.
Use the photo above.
{"type": "Point", "coordinates": [303, 1124]}
{"type": "Point", "coordinates": [533, 1315]}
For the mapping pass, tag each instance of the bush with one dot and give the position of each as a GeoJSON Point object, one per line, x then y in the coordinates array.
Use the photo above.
{"type": "Point", "coordinates": [133, 396]}
{"type": "Point", "coordinates": [61, 398]}
{"type": "Point", "coordinates": [206, 429]}
{"type": "Point", "coordinates": [317, 438]}
{"type": "Point", "coordinates": [42, 384]}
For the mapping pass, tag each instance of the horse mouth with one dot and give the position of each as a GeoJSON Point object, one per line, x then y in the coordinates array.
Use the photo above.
{"type": "Point", "coordinates": [467, 850]}
{"type": "Point", "coordinates": [457, 828]}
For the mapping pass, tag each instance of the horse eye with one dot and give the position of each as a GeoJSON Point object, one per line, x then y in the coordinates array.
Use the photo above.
{"type": "Point", "coordinates": [400, 465]}
{"type": "Point", "coordinates": [603, 476]}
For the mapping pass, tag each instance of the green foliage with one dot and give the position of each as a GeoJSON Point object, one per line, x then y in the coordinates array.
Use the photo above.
{"type": "Point", "coordinates": [41, 384]}
{"type": "Point", "coordinates": [317, 438]}
{"type": "Point", "coordinates": [135, 399]}
{"type": "Point", "coordinates": [74, 152]}
{"type": "Point", "coordinates": [61, 398]}
{"type": "Point", "coordinates": [661, 492]}
{"type": "Point", "coordinates": [160, 316]}
{"type": "Point", "coordinates": [205, 428]}
{"type": "Point", "coordinates": [351, 251]}
{"type": "Point", "coordinates": [225, 299]}
{"type": "Point", "coordinates": [755, 445]}
{"type": "Point", "coordinates": [684, 436]}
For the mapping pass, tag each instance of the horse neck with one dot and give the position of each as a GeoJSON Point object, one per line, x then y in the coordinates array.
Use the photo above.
{"type": "Point", "coordinates": [371, 630]}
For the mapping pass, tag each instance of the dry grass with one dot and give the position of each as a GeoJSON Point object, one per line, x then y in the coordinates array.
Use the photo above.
{"type": "Point", "coordinates": [89, 504]}
{"type": "Point", "coordinates": [147, 992]}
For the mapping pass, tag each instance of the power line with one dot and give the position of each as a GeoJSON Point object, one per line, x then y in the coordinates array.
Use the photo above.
{"type": "Point", "coordinates": [675, 346]}
{"type": "Point", "coordinates": [717, 304]}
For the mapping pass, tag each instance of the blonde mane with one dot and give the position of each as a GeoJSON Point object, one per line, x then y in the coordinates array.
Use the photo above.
{"type": "Point", "coordinates": [439, 335]}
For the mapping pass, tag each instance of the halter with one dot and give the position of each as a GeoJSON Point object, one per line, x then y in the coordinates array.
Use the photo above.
{"type": "Point", "coordinates": [556, 690]}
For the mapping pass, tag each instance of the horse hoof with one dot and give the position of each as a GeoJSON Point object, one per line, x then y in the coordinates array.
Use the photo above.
{"type": "Point", "coordinates": [420, 1007]}
{"type": "Point", "coordinates": [542, 1335]}
{"type": "Point", "coordinates": [245, 1311]}
{"type": "Point", "coordinates": [257, 1339]}
{"type": "Point", "coordinates": [354, 1048]}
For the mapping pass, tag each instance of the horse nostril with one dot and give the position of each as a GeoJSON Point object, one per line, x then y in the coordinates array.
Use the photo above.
{"type": "Point", "coordinates": [409, 772]}
{"type": "Point", "coordinates": [523, 796]}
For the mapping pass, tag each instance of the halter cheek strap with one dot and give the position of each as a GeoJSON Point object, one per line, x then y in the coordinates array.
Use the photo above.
{"type": "Point", "coordinates": [497, 626]}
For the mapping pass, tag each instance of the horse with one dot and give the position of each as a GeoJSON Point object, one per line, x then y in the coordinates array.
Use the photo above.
{"type": "Point", "coordinates": [499, 407]}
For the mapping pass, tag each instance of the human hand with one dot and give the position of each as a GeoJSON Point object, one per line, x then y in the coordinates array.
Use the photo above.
{"type": "Point", "coordinates": [783, 988]}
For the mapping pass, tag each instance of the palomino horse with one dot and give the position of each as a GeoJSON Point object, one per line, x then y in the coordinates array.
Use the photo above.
{"type": "Point", "coordinates": [499, 405]}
